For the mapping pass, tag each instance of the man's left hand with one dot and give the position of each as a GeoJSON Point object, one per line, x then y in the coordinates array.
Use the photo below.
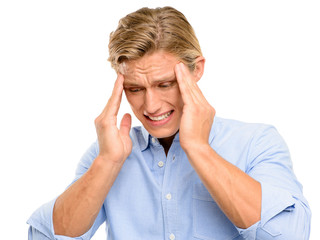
{"type": "Point", "coordinates": [198, 114]}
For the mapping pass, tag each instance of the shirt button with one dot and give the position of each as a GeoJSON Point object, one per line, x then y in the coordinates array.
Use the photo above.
{"type": "Point", "coordinates": [172, 236]}
{"type": "Point", "coordinates": [153, 140]}
{"type": "Point", "coordinates": [160, 164]}
{"type": "Point", "coordinates": [174, 157]}
{"type": "Point", "coordinates": [168, 196]}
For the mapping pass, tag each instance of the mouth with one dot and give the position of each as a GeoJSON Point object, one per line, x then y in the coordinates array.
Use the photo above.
{"type": "Point", "coordinates": [160, 119]}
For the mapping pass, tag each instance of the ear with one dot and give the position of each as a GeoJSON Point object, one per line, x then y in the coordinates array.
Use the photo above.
{"type": "Point", "coordinates": [199, 68]}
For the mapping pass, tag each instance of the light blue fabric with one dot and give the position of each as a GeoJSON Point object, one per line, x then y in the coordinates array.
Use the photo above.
{"type": "Point", "coordinates": [159, 197]}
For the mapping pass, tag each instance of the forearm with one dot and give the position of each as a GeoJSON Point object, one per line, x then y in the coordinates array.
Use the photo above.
{"type": "Point", "coordinates": [77, 208]}
{"type": "Point", "coordinates": [237, 194]}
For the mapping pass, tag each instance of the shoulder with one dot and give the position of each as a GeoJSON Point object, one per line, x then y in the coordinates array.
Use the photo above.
{"type": "Point", "coordinates": [238, 135]}
{"type": "Point", "coordinates": [248, 144]}
{"type": "Point", "coordinates": [226, 128]}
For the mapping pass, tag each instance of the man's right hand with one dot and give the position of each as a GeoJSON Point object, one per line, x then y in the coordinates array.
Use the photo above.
{"type": "Point", "coordinates": [74, 215]}
{"type": "Point", "coordinates": [114, 144]}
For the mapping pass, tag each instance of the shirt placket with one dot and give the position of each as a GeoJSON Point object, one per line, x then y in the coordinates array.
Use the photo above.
{"type": "Point", "coordinates": [159, 161]}
{"type": "Point", "coordinates": [170, 194]}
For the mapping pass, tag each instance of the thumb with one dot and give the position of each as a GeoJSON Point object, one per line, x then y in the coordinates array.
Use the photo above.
{"type": "Point", "coordinates": [125, 125]}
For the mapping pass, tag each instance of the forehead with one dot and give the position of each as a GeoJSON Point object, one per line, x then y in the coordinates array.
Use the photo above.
{"type": "Point", "coordinates": [151, 66]}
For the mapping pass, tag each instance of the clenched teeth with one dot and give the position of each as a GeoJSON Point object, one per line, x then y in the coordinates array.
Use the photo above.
{"type": "Point", "coordinates": [159, 118]}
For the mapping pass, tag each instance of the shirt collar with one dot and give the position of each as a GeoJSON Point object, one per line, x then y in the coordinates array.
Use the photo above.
{"type": "Point", "coordinates": [145, 136]}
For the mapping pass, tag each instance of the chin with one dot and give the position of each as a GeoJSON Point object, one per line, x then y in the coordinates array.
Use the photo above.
{"type": "Point", "coordinates": [162, 133]}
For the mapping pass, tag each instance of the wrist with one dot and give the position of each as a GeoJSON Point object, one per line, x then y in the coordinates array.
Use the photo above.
{"type": "Point", "coordinates": [105, 162]}
{"type": "Point", "coordinates": [200, 156]}
{"type": "Point", "coordinates": [197, 149]}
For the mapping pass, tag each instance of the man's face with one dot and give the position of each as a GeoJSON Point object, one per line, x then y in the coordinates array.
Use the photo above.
{"type": "Point", "coordinates": [152, 90]}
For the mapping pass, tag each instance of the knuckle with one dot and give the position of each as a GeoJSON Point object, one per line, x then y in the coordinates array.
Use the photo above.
{"type": "Point", "coordinates": [97, 121]}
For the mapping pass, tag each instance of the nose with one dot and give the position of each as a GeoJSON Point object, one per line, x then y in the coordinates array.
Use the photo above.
{"type": "Point", "coordinates": [152, 102]}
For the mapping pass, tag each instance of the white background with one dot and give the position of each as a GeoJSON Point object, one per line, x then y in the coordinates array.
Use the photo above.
{"type": "Point", "coordinates": [263, 60]}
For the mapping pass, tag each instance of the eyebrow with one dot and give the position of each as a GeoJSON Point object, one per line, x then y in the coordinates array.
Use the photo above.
{"type": "Point", "coordinates": [131, 84]}
{"type": "Point", "coordinates": [166, 79]}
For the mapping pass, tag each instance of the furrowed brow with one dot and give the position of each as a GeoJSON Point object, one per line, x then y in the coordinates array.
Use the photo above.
{"type": "Point", "coordinates": [131, 84]}
{"type": "Point", "coordinates": [165, 79]}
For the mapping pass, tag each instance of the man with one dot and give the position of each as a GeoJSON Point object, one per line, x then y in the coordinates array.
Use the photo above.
{"type": "Point", "coordinates": [186, 174]}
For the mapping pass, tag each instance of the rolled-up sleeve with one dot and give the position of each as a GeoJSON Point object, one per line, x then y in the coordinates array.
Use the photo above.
{"type": "Point", "coordinates": [285, 213]}
{"type": "Point", "coordinates": [41, 224]}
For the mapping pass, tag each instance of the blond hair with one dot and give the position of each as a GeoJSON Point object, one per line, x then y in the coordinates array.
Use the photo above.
{"type": "Point", "coordinates": [148, 30]}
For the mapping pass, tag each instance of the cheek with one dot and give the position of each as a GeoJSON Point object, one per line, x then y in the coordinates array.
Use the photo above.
{"type": "Point", "coordinates": [174, 98]}
{"type": "Point", "coordinates": [134, 101]}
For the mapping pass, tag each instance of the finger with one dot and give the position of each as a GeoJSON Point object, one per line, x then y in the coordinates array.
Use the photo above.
{"type": "Point", "coordinates": [189, 85]}
{"type": "Point", "coordinates": [184, 89]}
{"type": "Point", "coordinates": [114, 101]}
{"type": "Point", "coordinates": [125, 125]}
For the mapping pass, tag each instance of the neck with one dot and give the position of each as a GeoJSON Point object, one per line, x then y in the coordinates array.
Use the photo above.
{"type": "Point", "coordinates": [166, 143]}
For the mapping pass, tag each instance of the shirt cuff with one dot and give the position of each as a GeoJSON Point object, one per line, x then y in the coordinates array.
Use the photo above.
{"type": "Point", "coordinates": [274, 201]}
{"type": "Point", "coordinates": [250, 232]}
{"type": "Point", "coordinates": [41, 225]}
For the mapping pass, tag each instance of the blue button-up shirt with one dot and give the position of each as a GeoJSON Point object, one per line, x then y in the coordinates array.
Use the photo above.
{"type": "Point", "coordinates": [161, 197]}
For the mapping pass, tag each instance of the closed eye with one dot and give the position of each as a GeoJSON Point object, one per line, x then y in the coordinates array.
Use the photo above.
{"type": "Point", "coordinates": [135, 90]}
{"type": "Point", "coordinates": [167, 84]}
